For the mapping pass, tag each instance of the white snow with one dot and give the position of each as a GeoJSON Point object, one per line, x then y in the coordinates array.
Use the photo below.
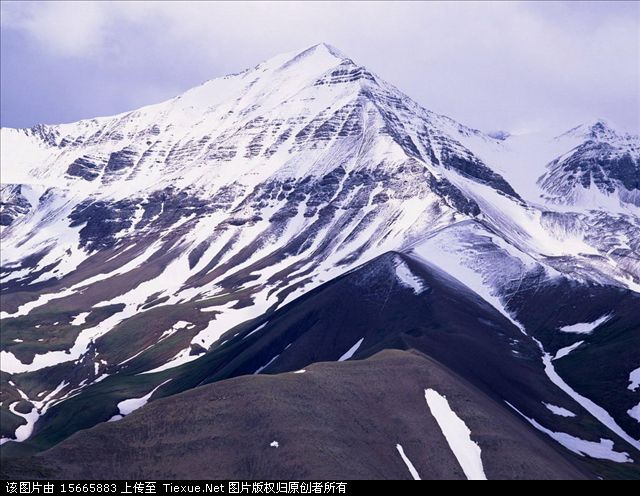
{"type": "Point", "coordinates": [229, 318]}
{"type": "Point", "coordinates": [351, 351]}
{"type": "Point", "coordinates": [24, 431]}
{"type": "Point", "coordinates": [259, 328]}
{"type": "Point", "coordinates": [522, 223]}
{"type": "Point", "coordinates": [457, 434]}
{"type": "Point", "coordinates": [635, 412]}
{"type": "Point", "coordinates": [634, 379]}
{"type": "Point", "coordinates": [213, 308]}
{"type": "Point", "coordinates": [563, 352]}
{"type": "Point", "coordinates": [101, 378]}
{"type": "Point", "coordinates": [170, 280]}
{"type": "Point", "coordinates": [587, 327]}
{"type": "Point", "coordinates": [39, 408]}
{"type": "Point", "coordinates": [595, 410]}
{"type": "Point", "coordinates": [80, 319]}
{"type": "Point", "coordinates": [127, 406]}
{"type": "Point", "coordinates": [40, 301]}
{"type": "Point", "coordinates": [183, 356]}
{"type": "Point", "coordinates": [178, 326]}
{"type": "Point", "coordinates": [602, 450]}
{"type": "Point", "coordinates": [266, 364]}
{"type": "Point", "coordinates": [275, 444]}
{"type": "Point", "coordinates": [46, 298]}
{"type": "Point", "coordinates": [407, 462]}
{"type": "Point", "coordinates": [301, 371]}
{"type": "Point", "coordinates": [135, 355]}
{"type": "Point", "coordinates": [558, 410]}
{"type": "Point", "coordinates": [408, 279]}
{"type": "Point", "coordinates": [435, 252]}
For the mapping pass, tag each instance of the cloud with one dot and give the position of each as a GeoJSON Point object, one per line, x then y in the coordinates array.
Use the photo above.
{"type": "Point", "coordinates": [487, 64]}
{"type": "Point", "coordinates": [62, 28]}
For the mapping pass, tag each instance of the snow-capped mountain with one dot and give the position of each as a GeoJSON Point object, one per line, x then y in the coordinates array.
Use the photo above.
{"type": "Point", "coordinates": [605, 163]}
{"type": "Point", "coordinates": [147, 247]}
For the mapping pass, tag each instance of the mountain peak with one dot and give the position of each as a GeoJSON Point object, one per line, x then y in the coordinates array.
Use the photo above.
{"type": "Point", "coordinates": [320, 55]}
{"type": "Point", "coordinates": [599, 126]}
{"type": "Point", "coordinates": [332, 50]}
{"type": "Point", "coordinates": [596, 128]}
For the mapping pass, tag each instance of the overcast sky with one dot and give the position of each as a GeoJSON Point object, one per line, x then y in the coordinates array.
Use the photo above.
{"type": "Point", "coordinates": [513, 66]}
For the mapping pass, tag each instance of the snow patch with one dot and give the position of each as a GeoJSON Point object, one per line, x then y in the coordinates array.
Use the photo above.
{"type": "Point", "coordinates": [634, 412]}
{"type": "Point", "coordinates": [39, 408]}
{"type": "Point", "coordinates": [127, 406]}
{"type": "Point", "coordinates": [434, 252]}
{"type": "Point", "coordinates": [587, 327]}
{"type": "Point", "coordinates": [24, 431]}
{"type": "Point", "coordinates": [407, 462]}
{"type": "Point", "coordinates": [351, 351]}
{"type": "Point", "coordinates": [267, 364]}
{"type": "Point", "coordinates": [595, 410]}
{"type": "Point", "coordinates": [563, 352]}
{"type": "Point", "coordinates": [457, 434]}
{"type": "Point", "coordinates": [602, 450]}
{"type": "Point", "coordinates": [409, 279]}
{"type": "Point", "coordinates": [178, 326]}
{"type": "Point", "coordinates": [80, 319]}
{"type": "Point", "coordinates": [229, 318]}
{"type": "Point", "coordinates": [184, 356]}
{"type": "Point", "coordinates": [259, 328]}
{"type": "Point", "coordinates": [634, 379]}
{"type": "Point", "coordinates": [275, 444]}
{"type": "Point", "coordinates": [558, 410]}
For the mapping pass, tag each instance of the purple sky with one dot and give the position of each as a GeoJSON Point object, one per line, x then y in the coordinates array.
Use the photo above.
{"type": "Point", "coordinates": [515, 66]}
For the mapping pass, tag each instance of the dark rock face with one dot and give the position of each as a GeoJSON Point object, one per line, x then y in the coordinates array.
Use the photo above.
{"type": "Point", "coordinates": [85, 167]}
{"type": "Point", "coordinates": [592, 163]}
{"type": "Point", "coordinates": [168, 206]}
{"type": "Point", "coordinates": [473, 168]}
{"type": "Point", "coordinates": [626, 170]}
{"type": "Point", "coordinates": [454, 196]}
{"type": "Point", "coordinates": [47, 134]}
{"type": "Point", "coordinates": [122, 159]}
{"type": "Point", "coordinates": [271, 150]}
{"type": "Point", "coordinates": [324, 190]}
{"type": "Point", "coordinates": [343, 122]}
{"type": "Point", "coordinates": [347, 73]}
{"type": "Point", "coordinates": [103, 221]}
{"type": "Point", "coordinates": [607, 162]}
{"type": "Point", "coordinates": [13, 204]}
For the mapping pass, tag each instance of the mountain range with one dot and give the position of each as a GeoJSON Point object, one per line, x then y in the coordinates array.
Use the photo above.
{"type": "Point", "coordinates": [297, 271]}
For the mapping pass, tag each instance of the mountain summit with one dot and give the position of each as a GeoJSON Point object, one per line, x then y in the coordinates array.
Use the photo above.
{"type": "Point", "coordinates": [268, 220]}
